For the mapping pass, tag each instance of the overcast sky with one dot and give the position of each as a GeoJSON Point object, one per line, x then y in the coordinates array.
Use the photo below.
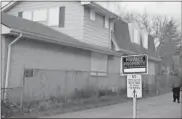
{"type": "Point", "coordinates": [172, 9]}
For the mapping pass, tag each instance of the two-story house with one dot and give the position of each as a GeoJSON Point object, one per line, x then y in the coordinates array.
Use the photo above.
{"type": "Point", "coordinates": [57, 36]}
{"type": "Point", "coordinates": [81, 36]}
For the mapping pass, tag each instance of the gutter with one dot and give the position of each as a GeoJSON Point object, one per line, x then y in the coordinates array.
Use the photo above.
{"type": "Point", "coordinates": [8, 63]}
{"type": "Point", "coordinates": [55, 41]}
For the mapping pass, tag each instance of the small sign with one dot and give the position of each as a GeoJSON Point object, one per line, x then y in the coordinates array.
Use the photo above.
{"type": "Point", "coordinates": [134, 86]}
{"type": "Point", "coordinates": [28, 72]}
{"type": "Point", "coordinates": [135, 64]}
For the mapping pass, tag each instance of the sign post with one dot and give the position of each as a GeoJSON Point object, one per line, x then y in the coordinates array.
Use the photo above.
{"type": "Point", "coordinates": [133, 66]}
{"type": "Point", "coordinates": [134, 104]}
{"type": "Point", "coordinates": [134, 90]}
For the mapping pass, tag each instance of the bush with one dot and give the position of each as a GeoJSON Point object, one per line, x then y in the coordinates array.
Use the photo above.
{"type": "Point", "coordinates": [87, 93]}
{"type": "Point", "coordinates": [8, 108]}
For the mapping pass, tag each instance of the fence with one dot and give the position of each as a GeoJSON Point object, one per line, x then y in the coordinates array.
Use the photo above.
{"type": "Point", "coordinates": [66, 86]}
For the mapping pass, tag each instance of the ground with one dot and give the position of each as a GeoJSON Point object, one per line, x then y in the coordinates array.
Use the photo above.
{"type": "Point", "coordinates": [153, 107]}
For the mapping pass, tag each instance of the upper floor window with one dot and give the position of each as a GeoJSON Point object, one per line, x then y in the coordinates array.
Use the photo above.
{"type": "Point", "coordinates": [144, 36]}
{"type": "Point", "coordinates": [26, 15]}
{"type": "Point", "coordinates": [92, 14]}
{"type": "Point", "coordinates": [106, 22]}
{"type": "Point", "coordinates": [56, 16]}
{"type": "Point", "coordinates": [20, 14]}
{"type": "Point", "coordinates": [40, 15]}
{"type": "Point", "coordinates": [52, 16]}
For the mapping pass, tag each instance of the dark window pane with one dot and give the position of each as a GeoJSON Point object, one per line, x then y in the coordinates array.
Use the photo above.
{"type": "Point", "coordinates": [20, 14]}
{"type": "Point", "coordinates": [61, 16]}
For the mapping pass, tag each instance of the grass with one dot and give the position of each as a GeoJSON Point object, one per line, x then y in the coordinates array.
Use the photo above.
{"type": "Point", "coordinates": [55, 105]}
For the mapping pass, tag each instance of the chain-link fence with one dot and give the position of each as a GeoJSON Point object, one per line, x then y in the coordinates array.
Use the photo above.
{"type": "Point", "coordinates": [43, 88]}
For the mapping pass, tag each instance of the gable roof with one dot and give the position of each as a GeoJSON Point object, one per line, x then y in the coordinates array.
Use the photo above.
{"type": "Point", "coordinates": [122, 38]}
{"type": "Point", "coordinates": [44, 33]}
{"type": "Point", "coordinates": [9, 5]}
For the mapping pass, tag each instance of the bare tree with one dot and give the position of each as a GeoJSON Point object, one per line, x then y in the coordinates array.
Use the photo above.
{"type": "Point", "coordinates": [160, 27]}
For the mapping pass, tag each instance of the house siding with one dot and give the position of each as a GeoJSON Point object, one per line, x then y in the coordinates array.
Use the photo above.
{"type": "Point", "coordinates": [37, 55]}
{"type": "Point", "coordinates": [73, 15]}
{"type": "Point", "coordinates": [4, 52]}
{"type": "Point", "coordinates": [93, 33]}
{"type": "Point", "coordinates": [51, 61]}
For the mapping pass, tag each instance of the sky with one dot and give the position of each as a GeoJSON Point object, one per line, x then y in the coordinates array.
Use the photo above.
{"type": "Point", "coordinates": [172, 9]}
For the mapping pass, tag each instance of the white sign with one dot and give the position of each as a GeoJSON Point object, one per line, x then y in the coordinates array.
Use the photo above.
{"type": "Point", "coordinates": [134, 86]}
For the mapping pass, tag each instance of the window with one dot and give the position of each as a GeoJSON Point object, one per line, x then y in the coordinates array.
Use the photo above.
{"type": "Point", "coordinates": [98, 64]}
{"type": "Point", "coordinates": [56, 16]}
{"type": "Point", "coordinates": [61, 16]}
{"type": "Point", "coordinates": [20, 14]}
{"type": "Point", "coordinates": [40, 15]}
{"type": "Point", "coordinates": [53, 19]}
{"type": "Point", "coordinates": [106, 22]}
{"type": "Point", "coordinates": [99, 20]}
{"type": "Point", "coordinates": [136, 36]}
{"type": "Point", "coordinates": [92, 15]}
{"type": "Point", "coordinates": [131, 31]}
{"type": "Point", "coordinates": [27, 15]}
{"type": "Point", "coordinates": [145, 40]}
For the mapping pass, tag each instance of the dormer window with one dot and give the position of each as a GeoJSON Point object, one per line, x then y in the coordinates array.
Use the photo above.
{"type": "Point", "coordinates": [145, 39]}
{"type": "Point", "coordinates": [92, 14]}
{"type": "Point", "coordinates": [137, 37]}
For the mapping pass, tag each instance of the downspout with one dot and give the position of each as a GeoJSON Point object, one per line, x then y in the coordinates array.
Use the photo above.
{"type": "Point", "coordinates": [8, 64]}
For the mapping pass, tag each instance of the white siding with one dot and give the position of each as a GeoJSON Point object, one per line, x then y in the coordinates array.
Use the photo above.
{"type": "Point", "coordinates": [73, 15]}
{"type": "Point", "coordinates": [39, 55]}
{"type": "Point", "coordinates": [94, 33]}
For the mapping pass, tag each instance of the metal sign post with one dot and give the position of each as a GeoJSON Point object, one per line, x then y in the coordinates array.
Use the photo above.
{"type": "Point", "coordinates": [134, 104]}
{"type": "Point", "coordinates": [134, 90]}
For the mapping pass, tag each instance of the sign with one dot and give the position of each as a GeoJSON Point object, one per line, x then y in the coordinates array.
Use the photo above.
{"type": "Point", "coordinates": [135, 64]}
{"type": "Point", "coordinates": [134, 86]}
{"type": "Point", "coordinates": [28, 73]}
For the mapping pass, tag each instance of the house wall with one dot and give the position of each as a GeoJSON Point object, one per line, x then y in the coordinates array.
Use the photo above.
{"type": "Point", "coordinates": [31, 54]}
{"type": "Point", "coordinates": [57, 70]}
{"type": "Point", "coordinates": [4, 45]}
{"type": "Point", "coordinates": [73, 15]}
{"type": "Point", "coordinates": [95, 33]}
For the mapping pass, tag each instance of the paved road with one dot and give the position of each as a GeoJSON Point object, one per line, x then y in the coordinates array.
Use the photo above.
{"type": "Point", "coordinates": [155, 107]}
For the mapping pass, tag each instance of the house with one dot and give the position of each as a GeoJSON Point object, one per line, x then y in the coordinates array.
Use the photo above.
{"type": "Point", "coordinates": [130, 37]}
{"type": "Point", "coordinates": [67, 36]}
